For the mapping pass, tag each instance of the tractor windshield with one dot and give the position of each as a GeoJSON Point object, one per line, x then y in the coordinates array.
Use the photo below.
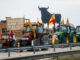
{"type": "Point", "coordinates": [64, 29]}
{"type": "Point", "coordinates": [28, 29]}
{"type": "Point", "coordinates": [78, 29]}
{"type": "Point", "coordinates": [40, 29]}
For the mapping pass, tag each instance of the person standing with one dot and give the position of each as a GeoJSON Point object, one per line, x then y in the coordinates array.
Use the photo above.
{"type": "Point", "coordinates": [12, 34]}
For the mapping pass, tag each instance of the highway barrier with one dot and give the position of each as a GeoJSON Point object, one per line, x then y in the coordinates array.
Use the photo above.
{"type": "Point", "coordinates": [36, 47]}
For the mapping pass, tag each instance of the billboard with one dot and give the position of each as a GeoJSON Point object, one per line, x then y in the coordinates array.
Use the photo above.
{"type": "Point", "coordinates": [46, 15]}
{"type": "Point", "coordinates": [58, 18]}
{"type": "Point", "coordinates": [15, 23]}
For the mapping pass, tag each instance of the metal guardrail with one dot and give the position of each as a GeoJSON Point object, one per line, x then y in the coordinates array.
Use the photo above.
{"type": "Point", "coordinates": [49, 55]}
{"type": "Point", "coordinates": [36, 47]}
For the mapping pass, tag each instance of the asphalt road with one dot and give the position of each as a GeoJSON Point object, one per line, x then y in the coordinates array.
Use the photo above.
{"type": "Point", "coordinates": [4, 55]}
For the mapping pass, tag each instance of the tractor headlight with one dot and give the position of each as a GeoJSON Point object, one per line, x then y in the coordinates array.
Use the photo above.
{"type": "Point", "coordinates": [58, 35]}
{"type": "Point", "coordinates": [77, 35]}
{"type": "Point", "coordinates": [25, 38]}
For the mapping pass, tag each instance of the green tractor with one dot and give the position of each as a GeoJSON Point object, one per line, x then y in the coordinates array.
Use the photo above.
{"type": "Point", "coordinates": [64, 34]}
{"type": "Point", "coordinates": [78, 33]}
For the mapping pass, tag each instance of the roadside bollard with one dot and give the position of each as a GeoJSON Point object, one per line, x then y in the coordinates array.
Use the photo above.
{"type": "Point", "coordinates": [70, 46]}
{"type": "Point", "coordinates": [18, 46]}
{"type": "Point", "coordinates": [54, 47]}
{"type": "Point", "coordinates": [8, 53]}
{"type": "Point", "coordinates": [33, 46]}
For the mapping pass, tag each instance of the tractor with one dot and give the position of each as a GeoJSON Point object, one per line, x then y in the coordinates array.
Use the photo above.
{"type": "Point", "coordinates": [78, 33]}
{"type": "Point", "coordinates": [64, 34]}
{"type": "Point", "coordinates": [34, 34]}
{"type": "Point", "coordinates": [5, 38]}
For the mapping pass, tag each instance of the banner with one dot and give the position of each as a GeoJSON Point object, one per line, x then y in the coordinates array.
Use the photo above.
{"type": "Point", "coordinates": [15, 23]}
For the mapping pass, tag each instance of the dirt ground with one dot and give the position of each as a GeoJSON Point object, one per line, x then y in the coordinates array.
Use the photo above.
{"type": "Point", "coordinates": [68, 57]}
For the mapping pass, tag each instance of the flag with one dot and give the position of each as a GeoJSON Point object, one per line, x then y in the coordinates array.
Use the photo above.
{"type": "Point", "coordinates": [38, 22]}
{"type": "Point", "coordinates": [52, 20]}
{"type": "Point", "coordinates": [62, 23]}
{"type": "Point", "coordinates": [67, 22]}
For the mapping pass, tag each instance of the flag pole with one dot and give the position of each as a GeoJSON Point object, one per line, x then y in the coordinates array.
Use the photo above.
{"type": "Point", "coordinates": [54, 27]}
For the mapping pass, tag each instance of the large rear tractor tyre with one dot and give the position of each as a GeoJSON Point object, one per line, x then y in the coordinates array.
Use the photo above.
{"type": "Point", "coordinates": [74, 39]}
{"type": "Point", "coordinates": [14, 44]}
{"type": "Point", "coordinates": [67, 40]}
{"type": "Point", "coordinates": [78, 39]}
{"type": "Point", "coordinates": [36, 42]}
{"type": "Point", "coordinates": [33, 43]}
{"type": "Point", "coordinates": [0, 44]}
{"type": "Point", "coordinates": [23, 43]}
{"type": "Point", "coordinates": [45, 41]}
{"type": "Point", "coordinates": [4, 45]}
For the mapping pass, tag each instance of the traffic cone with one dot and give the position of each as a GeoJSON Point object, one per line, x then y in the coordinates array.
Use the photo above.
{"type": "Point", "coordinates": [18, 46]}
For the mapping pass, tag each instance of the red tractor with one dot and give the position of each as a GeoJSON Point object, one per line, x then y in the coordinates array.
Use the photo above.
{"type": "Point", "coordinates": [34, 32]}
{"type": "Point", "coordinates": [6, 40]}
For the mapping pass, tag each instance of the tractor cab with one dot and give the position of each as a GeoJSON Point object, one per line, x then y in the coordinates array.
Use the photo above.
{"type": "Point", "coordinates": [64, 34]}
{"type": "Point", "coordinates": [78, 29]}
{"type": "Point", "coordinates": [38, 30]}
{"type": "Point", "coordinates": [64, 28]}
{"type": "Point", "coordinates": [34, 32]}
{"type": "Point", "coordinates": [78, 33]}
{"type": "Point", "coordinates": [28, 29]}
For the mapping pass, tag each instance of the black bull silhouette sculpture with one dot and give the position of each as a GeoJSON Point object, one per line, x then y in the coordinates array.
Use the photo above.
{"type": "Point", "coordinates": [45, 15]}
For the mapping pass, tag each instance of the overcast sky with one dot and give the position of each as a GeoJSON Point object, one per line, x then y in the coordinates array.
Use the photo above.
{"type": "Point", "coordinates": [29, 8]}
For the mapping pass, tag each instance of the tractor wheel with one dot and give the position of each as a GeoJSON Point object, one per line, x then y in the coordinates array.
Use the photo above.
{"type": "Point", "coordinates": [74, 39]}
{"type": "Point", "coordinates": [67, 40]}
{"type": "Point", "coordinates": [64, 40]}
{"type": "Point", "coordinates": [36, 42]}
{"type": "Point", "coordinates": [78, 39]}
{"type": "Point", "coordinates": [0, 44]}
{"type": "Point", "coordinates": [44, 41]}
{"type": "Point", "coordinates": [13, 44]}
{"type": "Point", "coordinates": [24, 43]}
{"type": "Point", "coordinates": [4, 45]}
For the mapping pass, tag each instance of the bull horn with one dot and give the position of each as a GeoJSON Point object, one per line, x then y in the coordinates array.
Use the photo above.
{"type": "Point", "coordinates": [48, 6]}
